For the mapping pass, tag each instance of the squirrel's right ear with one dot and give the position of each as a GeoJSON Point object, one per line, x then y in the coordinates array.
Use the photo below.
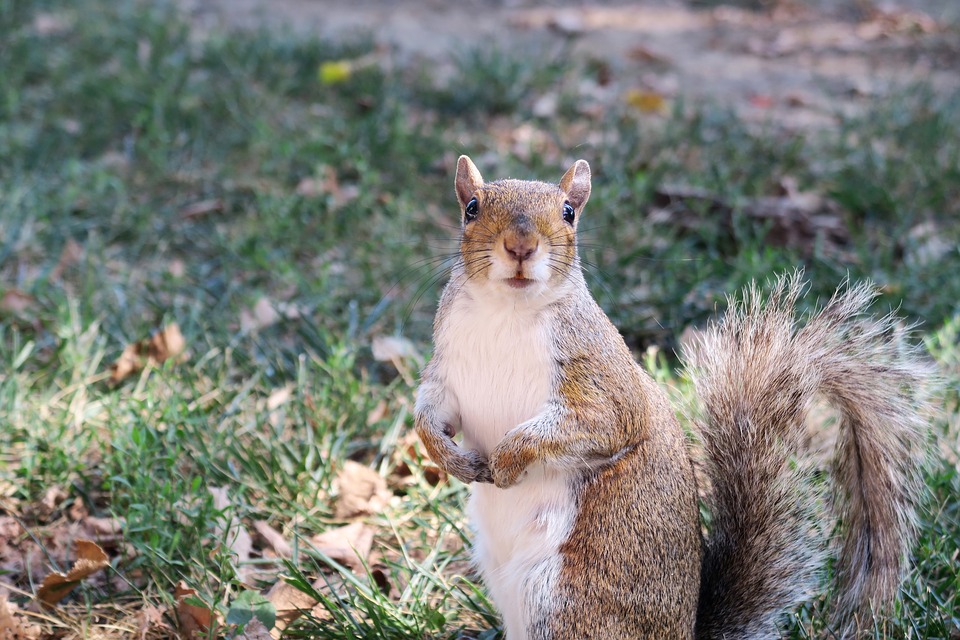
{"type": "Point", "coordinates": [468, 180]}
{"type": "Point", "coordinates": [576, 183]}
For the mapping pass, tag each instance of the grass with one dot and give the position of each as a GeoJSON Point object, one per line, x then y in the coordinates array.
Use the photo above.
{"type": "Point", "coordinates": [334, 204]}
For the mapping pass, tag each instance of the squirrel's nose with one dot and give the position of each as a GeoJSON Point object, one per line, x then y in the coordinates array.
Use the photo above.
{"type": "Point", "coordinates": [520, 247]}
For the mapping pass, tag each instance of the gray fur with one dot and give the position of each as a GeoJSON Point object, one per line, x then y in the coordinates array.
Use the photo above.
{"type": "Point", "coordinates": [757, 375]}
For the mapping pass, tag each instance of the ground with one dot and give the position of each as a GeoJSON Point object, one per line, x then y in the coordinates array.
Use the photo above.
{"type": "Point", "coordinates": [799, 63]}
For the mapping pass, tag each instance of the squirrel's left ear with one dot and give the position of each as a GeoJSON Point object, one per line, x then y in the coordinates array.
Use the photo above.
{"type": "Point", "coordinates": [468, 180]}
{"type": "Point", "coordinates": [576, 184]}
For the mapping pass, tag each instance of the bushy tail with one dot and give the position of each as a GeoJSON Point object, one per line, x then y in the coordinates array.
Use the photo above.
{"type": "Point", "coordinates": [757, 375]}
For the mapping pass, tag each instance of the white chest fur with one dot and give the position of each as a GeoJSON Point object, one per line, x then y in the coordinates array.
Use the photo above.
{"type": "Point", "coordinates": [498, 363]}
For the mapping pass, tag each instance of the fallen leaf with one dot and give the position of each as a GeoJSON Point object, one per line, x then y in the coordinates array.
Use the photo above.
{"type": "Point", "coordinates": [201, 208]}
{"type": "Point", "coordinates": [231, 531]}
{"type": "Point", "coordinates": [254, 630]}
{"type": "Point", "coordinates": [798, 219]}
{"type": "Point", "coordinates": [362, 491]}
{"type": "Point", "coordinates": [52, 497]}
{"type": "Point", "coordinates": [262, 315]}
{"type": "Point", "coordinates": [273, 538]}
{"type": "Point", "coordinates": [643, 54]}
{"type": "Point", "coordinates": [77, 510]}
{"type": "Point", "coordinates": [761, 101]}
{"type": "Point", "coordinates": [290, 603]}
{"type": "Point", "coordinates": [646, 101]}
{"type": "Point", "coordinates": [104, 526]}
{"type": "Point", "coordinates": [151, 623]}
{"type": "Point", "coordinates": [127, 364]}
{"type": "Point", "coordinates": [335, 72]}
{"type": "Point", "coordinates": [194, 619]}
{"type": "Point", "coordinates": [387, 348]}
{"type": "Point", "coordinates": [410, 448]}
{"type": "Point", "coordinates": [104, 531]}
{"type": "Point", "coordinates": [166, 343]}
{"type": "Point", "coordinates": [161, 346]}
{"type": "Point", "coordinates": [279, 397]}
{"type": "Point", "coordinates": [16, 303]}
{"type": "Point", "coordinates": [13, 624]}
{"type": "Point", "coordinates": [56, 586]}
{"type": "Point", "coordinates": [349, 545]}
{"type": "Point", "coordinates": [378, 413]}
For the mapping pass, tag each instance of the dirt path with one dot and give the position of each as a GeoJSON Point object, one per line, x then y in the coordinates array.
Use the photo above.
{"type": "Point", "coordinates": [798, 63]}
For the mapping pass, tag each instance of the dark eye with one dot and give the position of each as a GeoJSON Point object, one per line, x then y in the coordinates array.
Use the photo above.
{"type": "Point", "coordinates": [568, 213]}
{"type": "Point", "coordinates": [470, 213]}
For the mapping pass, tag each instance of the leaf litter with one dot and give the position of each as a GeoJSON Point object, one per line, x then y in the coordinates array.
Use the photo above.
{"type": "Point", "coordinates": [161, 346]}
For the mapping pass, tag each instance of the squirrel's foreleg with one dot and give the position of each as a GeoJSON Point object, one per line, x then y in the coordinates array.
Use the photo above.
{"type": "Point", "coordinates": [435, 422]}
{"type": "Point", "coordinates": [556, 437]}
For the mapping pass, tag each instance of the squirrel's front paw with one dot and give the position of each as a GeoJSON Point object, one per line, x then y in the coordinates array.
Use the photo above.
{"type": "Point", "coordinates": [508, 462]}
{"type": "Point", "coordinates": [469, 467]}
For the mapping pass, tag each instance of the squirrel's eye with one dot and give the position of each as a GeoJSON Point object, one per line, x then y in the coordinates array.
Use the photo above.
{"type": "Point", "coordinates": [470, 213]}
{"type": "Point", "coordinates": [568, 213]}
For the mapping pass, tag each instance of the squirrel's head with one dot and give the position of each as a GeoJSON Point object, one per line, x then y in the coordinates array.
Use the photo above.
{"type": "Point", "coordinates": [519, 234]}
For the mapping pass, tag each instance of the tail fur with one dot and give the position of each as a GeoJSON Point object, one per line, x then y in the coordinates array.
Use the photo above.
{"type": "Point", "coordinates": [757, 375]}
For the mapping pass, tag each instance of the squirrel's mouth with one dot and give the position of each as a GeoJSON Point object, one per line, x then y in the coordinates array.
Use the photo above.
{"type": "Point", "coordinates": [519, 282]}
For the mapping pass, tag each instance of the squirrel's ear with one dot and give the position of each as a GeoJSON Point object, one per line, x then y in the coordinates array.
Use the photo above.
{"type": "Point", "coordinates": [576, 184]}
{"type": "Point", "coordinates": [468, 180]}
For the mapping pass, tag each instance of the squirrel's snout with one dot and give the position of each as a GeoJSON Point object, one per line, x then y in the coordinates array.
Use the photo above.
{"type": "Point", "coordinates": [520, 247]}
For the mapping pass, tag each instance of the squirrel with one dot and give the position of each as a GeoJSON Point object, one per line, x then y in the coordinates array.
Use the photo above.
{"type": "Point", "coordinates": [584, 499]}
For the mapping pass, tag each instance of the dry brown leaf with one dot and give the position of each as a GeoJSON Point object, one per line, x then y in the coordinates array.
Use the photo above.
{"type": "Point", "coordinates": [104, 526]}
{"type": "Point", "coordinates": [362, 491]}
{"type": "Point", "coordinates": [279, 397]}
{"type": "Point", "coordinates": [52, 497]}
{"type": "Point", "coordinates": [273, 538]}
{"type": "Point", "coordinates": [397, 351]}
{"type": "Point", "coordinates": [392, 348]}
{"type": "Point", "coordinates": [201, 208]}
{"type": "Point", "coordinates": [13, 625]}
{"type": "Point", "coordinates": [16, 303]}
{"type": "Point", "coordinates": [644, 54]}
{"type": "Point", "coordinates": [349, 545]}
{"type": "Point", "coordinates": [104, 531]}
{"type": "Point", "coordinates": [151, 623]}
{"type": "Point", "coordinates": [166, 343]}
{"type": "Point", "coordinates": [128, 363]}
{"type": "Point", "coordinates": [263, 315]}
{"type": "Point", "coordinates": [410, 447]}
{"type": "Point", "coordinates": [254, 630]}
{"type": "Point", "coordinates": [290, 603]}
{"type": "Point", "coordinates": [378, 413]}
{"type": "Point", "coordinates": [194, 620]}
{"type": "Point", "coordinates": [163, 345]}
{"type": "Point", "coordinates": [799, 219]}
{"type": "Point", "coordinates": [232, 531]}
{"type": "Point", "coordinates": [56, 586]}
